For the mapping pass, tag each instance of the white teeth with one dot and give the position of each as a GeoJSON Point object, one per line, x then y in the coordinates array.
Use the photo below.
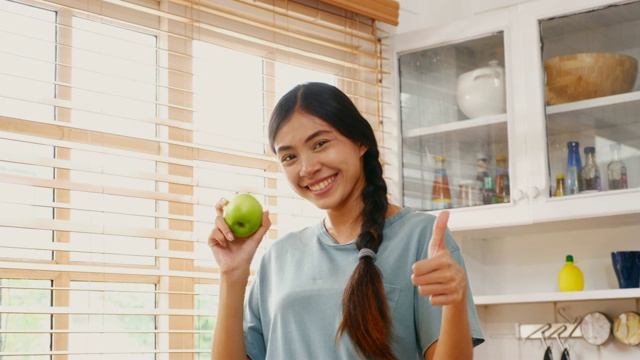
{"type": "Point", "coordinates": [322, 185]}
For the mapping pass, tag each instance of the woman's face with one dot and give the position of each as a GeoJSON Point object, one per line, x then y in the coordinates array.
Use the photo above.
{"type": "Point", "coordinates": [321, 165]}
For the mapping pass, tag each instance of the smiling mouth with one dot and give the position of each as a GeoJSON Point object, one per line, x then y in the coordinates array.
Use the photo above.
{"type": "Point", "coordinates": [321, 185]}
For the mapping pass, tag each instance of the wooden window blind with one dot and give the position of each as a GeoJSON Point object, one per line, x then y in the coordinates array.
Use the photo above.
{"type": "Point", "coordinates": [382, 10]}
{"type": "Point", "coordinates": [121, 125]}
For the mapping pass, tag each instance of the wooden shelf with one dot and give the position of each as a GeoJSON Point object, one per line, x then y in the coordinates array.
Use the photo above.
{"type": "Point", "coordinates": [611, 294]}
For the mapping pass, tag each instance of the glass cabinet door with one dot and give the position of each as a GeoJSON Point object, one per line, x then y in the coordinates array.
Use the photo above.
{"type": "Point", "coordinates": [454, 125]}
{"type": "Point", "coordinates": [590, 62]}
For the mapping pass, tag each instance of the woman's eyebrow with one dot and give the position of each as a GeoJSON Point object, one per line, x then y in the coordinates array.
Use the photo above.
{"type": "Point", "coordinates": [307, 140]}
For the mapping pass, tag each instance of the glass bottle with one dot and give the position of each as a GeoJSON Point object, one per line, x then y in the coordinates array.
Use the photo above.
{"type": "Point", "coordinates": [482, 176]}
{"type": "Point", "coordinates": [502, 180]}
{"type": "Point", "coordinates": [590, 171]}
{"type": "Point", "coordinates": [559, 185]}
{"type": "Point", "coordinates": [441, 193]}
{"type": "Point", "coordinates": [573, 177]}
{"type": "Point", "coordinates": [617, 169]}
{"type": "Point", "coordinates": [488, 191]}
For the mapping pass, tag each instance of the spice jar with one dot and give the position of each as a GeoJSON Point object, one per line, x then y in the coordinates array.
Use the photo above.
{"type": "Point", "coordinates": [470, 193]}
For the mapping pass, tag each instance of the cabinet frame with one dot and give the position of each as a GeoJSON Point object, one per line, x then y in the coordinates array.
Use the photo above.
{"type": "Point", "coordinates": [485, 216]}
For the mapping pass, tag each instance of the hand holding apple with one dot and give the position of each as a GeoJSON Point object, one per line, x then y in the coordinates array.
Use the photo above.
{"type": "Point", "coordinates": [243, 215]}
{"type": "Point", "coordinates": [234, 257]}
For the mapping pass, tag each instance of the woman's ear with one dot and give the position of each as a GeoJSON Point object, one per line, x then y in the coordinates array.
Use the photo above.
{"type": "Point", "coordinates": [363, 149]}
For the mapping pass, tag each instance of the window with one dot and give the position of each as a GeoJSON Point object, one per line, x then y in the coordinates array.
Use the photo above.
{"type": "Point", "coordinates": [28, 73]}
{"type": "Point", "coordinates": [105, 314]}
{"type": "Point", "coordinates": [121, 125]}
{"type": "Point", "coordinates": [28, 331]}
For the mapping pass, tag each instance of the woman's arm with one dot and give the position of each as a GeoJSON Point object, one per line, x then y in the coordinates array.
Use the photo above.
{"type": "Point", "coordinates": [441, 278]}
{"type": "Point", "coordinates": [228, 336]}
{"type": "Point", "coordinates": [233, 257]}
{"type": "Point", "coordinates": [455, 335]}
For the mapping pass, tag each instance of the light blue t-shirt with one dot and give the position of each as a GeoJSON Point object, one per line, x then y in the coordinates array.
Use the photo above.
{"type": "Point", "coordinates": [294, 308]}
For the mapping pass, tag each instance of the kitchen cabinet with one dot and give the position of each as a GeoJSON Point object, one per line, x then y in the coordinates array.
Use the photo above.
{"type": "Point", "coordinates": [570, 28]}
{"type": "Point", "coordinates": [532, 135]}
{"type": "Point", "coordinates": [429, 65]}
{"type": "Point", "coordinates": [514, 250]}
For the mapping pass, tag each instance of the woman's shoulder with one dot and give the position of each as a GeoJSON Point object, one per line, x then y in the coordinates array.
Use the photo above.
{"type": "Point", "coordinates": [288, 250]}
{"type": "Point", "coordinates": [409, 216]}
{"type": "Point", "coordinates": [410, 226]}
{"type": "Point", "coordinates": [295, 238]}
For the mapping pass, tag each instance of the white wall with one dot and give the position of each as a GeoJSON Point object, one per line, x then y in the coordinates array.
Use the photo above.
{"type": "Point", "coordinates": [420, 14]}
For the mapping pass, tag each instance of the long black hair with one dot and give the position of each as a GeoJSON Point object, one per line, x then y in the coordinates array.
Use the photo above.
{"type": "Point", "coordinates": [365, 313]}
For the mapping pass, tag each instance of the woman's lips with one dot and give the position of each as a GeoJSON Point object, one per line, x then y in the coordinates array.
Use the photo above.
{"type": "Point", "coordinates": [321, 185]}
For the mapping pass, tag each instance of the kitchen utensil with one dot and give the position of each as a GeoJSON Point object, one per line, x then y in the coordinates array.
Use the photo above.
{"type": "Point", "coordinates": [548, 354]}
{"type": "Point", "coordinates": [626, 265]}
{"type": "Point", "coordinates": [563, 346]}
{"type": "Point", "coordinates": [595, 328]}
{"type": "Point", "coordinates": [626, 328]}
{"type": "Point", "coordinates": [588, 75]}
{"type": "Point", "coordinates": [480, 92]}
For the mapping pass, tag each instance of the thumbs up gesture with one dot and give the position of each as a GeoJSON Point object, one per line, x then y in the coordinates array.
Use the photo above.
{"type": "Point", "coordinates": [439, 276]}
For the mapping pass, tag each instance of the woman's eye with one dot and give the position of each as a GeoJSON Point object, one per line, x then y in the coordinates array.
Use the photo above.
{"type": "Point", "coordinates": [287, 158]}
{"type": "Point", "coordinates": [320, 143]}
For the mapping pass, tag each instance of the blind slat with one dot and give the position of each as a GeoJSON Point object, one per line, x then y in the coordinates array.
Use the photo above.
{"type": "Point", "coordinates": [97, 271]}
{"type": "Point", "coordinates": [383, 10]}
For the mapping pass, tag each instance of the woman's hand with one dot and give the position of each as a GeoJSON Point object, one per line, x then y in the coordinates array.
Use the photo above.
{"type": "Point", "coordinates": [234, 254]}
{"type": "Point", "coordinates": [439, 275]}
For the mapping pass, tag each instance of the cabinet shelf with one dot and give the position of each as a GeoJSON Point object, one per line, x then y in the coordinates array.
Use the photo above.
{"type": "Point", "coordinates": [612, 116]}
{"type": "Point", "coordinates": [611, 294]}
{"type": "Point", "coordinates": [459, 127]}
{"type": "Point", "coordinates": [463, 131]}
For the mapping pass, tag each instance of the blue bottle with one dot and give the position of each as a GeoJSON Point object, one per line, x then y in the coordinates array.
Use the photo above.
{"type": "Point", "coordinates": [573, 178]}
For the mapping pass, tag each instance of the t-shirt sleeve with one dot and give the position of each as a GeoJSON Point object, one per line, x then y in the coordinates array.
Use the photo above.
{"type": "Point", "coordinates": [428, 317]}
{"type": "Point", "coordinates": [253, 335]}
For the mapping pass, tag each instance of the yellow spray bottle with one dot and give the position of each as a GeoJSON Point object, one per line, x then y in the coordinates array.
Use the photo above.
{"type": "Point", "coordinates": [570, 277]}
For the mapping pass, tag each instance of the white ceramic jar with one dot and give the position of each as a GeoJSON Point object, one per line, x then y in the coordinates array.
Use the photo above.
{"type": "Point", "coordinates": [480, 92]}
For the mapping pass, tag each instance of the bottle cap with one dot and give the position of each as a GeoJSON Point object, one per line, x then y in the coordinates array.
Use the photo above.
{"type": "Point", "coordinates": [569, 258]}
{"type": "Point", "coordinates": [501, 158]}
{"type": "Point", "coordinates": [440, 158]}
{"type": "Point", "coordinates": [589, 150]}
{"type": "Point", "coordinates": [559, 176]}
{"type": "Point", "coordinates": [573, 143]}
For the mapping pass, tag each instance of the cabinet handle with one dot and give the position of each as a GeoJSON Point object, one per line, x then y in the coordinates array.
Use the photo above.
{"type": "Point", "coordinates": [518, 195]}
{"type": "Point", "coordinates": [534, 192]}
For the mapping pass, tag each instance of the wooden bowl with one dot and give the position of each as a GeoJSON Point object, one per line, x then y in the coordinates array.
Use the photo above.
{"type": "Point", "coordinates": [589, 75]}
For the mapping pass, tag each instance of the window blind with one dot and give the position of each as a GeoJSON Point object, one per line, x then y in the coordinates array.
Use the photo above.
{"type": "Point", "coordinates": [383, 10]}
{"type": "Point", "coordinates": [121, 125]}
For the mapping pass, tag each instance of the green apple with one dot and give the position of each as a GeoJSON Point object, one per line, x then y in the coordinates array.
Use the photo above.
{"type": "Point", "coordinates": [243, 214]}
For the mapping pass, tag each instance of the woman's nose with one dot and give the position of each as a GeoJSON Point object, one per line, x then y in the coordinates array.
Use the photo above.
{"type": "Point", "coordinates": [309, 166]}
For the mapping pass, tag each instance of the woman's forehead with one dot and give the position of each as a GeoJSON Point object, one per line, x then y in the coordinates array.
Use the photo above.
{"type": "Point", "coordinates": [301, 123]}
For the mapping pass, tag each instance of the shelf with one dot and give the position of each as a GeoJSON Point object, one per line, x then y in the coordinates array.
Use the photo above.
{"type": "Point", "coordinates": [461, 126]}
{"type": "Point", "coordinates": [615, 116]}
{"type": "Point", "coordinates": [612, 294]}
{"type": "Point", "coordinates": [493, 128]}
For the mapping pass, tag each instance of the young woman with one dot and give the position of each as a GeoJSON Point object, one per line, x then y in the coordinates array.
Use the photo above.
{"type": "Point", "coordinates": [372, 280]}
